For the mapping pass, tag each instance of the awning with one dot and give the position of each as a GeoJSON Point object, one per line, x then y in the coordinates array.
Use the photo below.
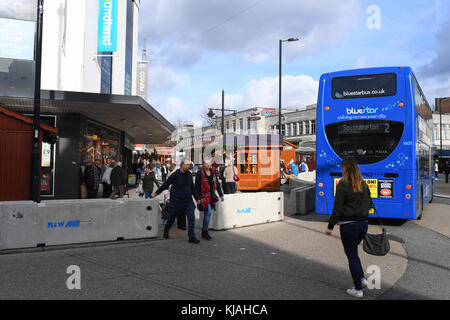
{"type": "Point", "coordinates": [131, 114]}
{"type": "Point", "coordinates": [49, 132]}
{"type": "Point", "coordinates": [445, 153]}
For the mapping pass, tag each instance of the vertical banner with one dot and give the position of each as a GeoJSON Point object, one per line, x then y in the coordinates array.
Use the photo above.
{"type": "Point", "coordinates": [142, 78]}
{"type": "Point", "coordinates": [107, 26]}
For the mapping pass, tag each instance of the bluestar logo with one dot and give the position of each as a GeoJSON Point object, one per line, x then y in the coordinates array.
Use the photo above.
{"type": "Point", "coordinates": [361, 110]}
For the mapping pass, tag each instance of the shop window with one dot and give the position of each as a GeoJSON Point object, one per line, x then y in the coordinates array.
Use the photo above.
{"type": "Point", "coordinates": [243, 163]}
{"type": "Point", "coordinates": [253, 162]}
{"type": "Point", "coordinates": [101, 143]}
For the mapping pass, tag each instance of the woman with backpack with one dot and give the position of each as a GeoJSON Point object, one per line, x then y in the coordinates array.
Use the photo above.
{"type": "Point", "coordinates": [351, 211]}
{"type": "Point", "coordinates": [206, 185]}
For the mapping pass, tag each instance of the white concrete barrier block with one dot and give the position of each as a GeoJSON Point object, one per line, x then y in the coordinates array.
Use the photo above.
{"type": "Point", "coordinates": [139, 218]}
{"type": "Point", "coordinates": [25, 224]}
{"type": "Point", "coordinates": [249, 208]}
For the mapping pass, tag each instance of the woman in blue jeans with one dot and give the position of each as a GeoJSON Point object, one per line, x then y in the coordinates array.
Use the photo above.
{"type": "Point", "coordinates": [206, 185]}
{"type": "Point", "coordinates": [351, 211]}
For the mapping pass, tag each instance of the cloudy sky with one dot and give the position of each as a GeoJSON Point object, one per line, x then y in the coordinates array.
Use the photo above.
{"type": "Point", "coordinates": [196, 48]}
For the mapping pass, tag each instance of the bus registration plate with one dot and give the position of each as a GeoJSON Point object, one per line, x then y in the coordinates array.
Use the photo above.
{"type": "Point", "coordinates": [378, 188]}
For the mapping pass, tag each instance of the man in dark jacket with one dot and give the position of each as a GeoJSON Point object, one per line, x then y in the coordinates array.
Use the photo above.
{"type": "Point", "coordinates": [118, 181]}
{"type": "Point", "coordinates": [181, 194]}
{"type": "Point", "coordinates": [149, 180]}
{"type": "Point", "coordinates": [92, 179]}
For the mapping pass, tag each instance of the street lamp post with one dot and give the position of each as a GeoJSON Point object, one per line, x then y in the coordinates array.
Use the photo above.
{"type": "Point", "coordinates": [211, 113]}
{"type": "Point", "coordinates": [279, 85]}
{"type": "Point", "coordinates": [279, 96]}
{"type": "Point", "coordinates": [440, 126]}
{"type": "Point", "coordinates": [35, 156]}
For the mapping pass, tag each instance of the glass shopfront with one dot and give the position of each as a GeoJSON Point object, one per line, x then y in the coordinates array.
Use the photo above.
{"type": "Point", "coordinates": [100, 143]}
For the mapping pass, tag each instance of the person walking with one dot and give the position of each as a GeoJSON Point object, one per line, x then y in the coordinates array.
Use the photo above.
{"type": "Point", "coordinates": [351, 211]}
{"type": "Point", "coordinates": [158, 170]}
{"type": "Point", "coordinates": [282, 169]}
{"type": "Point", "coordinates": [206, 185]}
{"type": "Point", "coordinates": [181, 216]}
{"type": "Point", "coordinates": [436, 170]}
{"type": "Point", "coordinates": [118, 181]}
{"type": "Point", "coordinates": [229, 173]}
{"type": "Point", "coordinates": [91, 179]}
{"type": "Point", "coordinates": [106, 180]}
{"type": "Point", "coordinates": [447, 170]}
{"type": "Point", "coordinates": [164, 172]}
{"type": "Point", "coordinates": [304, 167]}
{"type": "Point", "coordinates": [181, 193]}
{"type": "Point", "coordinates": [293, 171]}
{"type": "Point", "coordinates": [149, 180]}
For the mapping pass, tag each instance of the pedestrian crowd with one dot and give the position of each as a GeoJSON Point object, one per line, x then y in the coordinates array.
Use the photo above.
{"type": "Point", "coordinates": [110, 175]}
{"type": "Point", "coordinates": [350, 211]}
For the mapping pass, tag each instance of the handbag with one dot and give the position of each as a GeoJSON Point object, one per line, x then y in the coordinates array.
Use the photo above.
{"type": "Point", "coordinates": [214, 197]}
{"type": "Point", "coordinates": [235, 176]}
{"type": "Point", "coordinates": [376, 244]}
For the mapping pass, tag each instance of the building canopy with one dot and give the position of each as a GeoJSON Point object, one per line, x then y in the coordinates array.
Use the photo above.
{"type": "Point", "coordinates": [131, 114]}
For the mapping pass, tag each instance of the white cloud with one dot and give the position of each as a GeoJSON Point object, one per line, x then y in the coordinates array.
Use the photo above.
{"type": "Point", "coordinates": [175, 109]}
{"type": "Point", "coordinates": [183, 30]}
{"type": "Point", "coordinates": [297, 92]}
{"type": "Point", "coordinates": [361, 63]}
{"type": "Point", "coordinates": [162, 78]}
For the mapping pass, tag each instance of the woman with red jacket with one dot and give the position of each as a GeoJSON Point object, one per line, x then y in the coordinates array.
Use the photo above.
{"type": "Point", "coordinates": [206, 185]}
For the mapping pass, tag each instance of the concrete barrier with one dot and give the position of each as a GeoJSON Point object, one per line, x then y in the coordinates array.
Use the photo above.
{"type": "Point", "coordinates": [25, 224]}
{"type": "Point", "coordinates": [298, 195]}
{"type": "Point", "coordinates": [245, 209]}
{"type": "Point", "coordinates": [297, 183]}
{"type": "Point", "coordinates": [304, 199]}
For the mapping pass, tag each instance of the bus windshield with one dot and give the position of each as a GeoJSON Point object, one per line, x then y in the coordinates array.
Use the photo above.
{"type": "Point", "coordinates": [364, 86]}
{"type": "Point", "coordinates": [368, 141]}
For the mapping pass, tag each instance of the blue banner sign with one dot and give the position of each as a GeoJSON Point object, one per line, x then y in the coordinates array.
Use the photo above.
{"type": "Point", "coordinates": [107, 26]}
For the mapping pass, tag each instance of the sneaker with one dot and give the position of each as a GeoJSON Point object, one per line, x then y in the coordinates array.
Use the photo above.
{"type": "Point", "coordinates": [355, 293]}
{"type": "Point", "coordinates": [194, 240]}
{"type": "Point", "coordinates": [364, 282]}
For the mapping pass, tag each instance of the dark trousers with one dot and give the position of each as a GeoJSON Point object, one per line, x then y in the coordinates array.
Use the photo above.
{"type": "Point", "coordinates": [446, 177]}
{"type": "Point", "coordinates": [351, 236]}
{"type": "Point", "coordinates": [181, 219]}
{"type": "Point", "coordinates": [117, 190]}
{"type": "Point", "coordinates": [229, 188]}
{"type": "Point", "coordinates": [92, 191]}
{"type": "Point", "coordinates": [107, 190]}
{"type": "Point", "coordinates": [188, 209]}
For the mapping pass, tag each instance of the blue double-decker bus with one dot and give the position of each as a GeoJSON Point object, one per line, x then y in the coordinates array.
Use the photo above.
{"type": "Point", "coordinates": [381, 117]}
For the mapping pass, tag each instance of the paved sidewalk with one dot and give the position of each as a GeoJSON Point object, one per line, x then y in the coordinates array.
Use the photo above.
{"type": "Point", "coordinates": [442, 188]}
{"type": "Point", "coordinates": [286, 260]}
